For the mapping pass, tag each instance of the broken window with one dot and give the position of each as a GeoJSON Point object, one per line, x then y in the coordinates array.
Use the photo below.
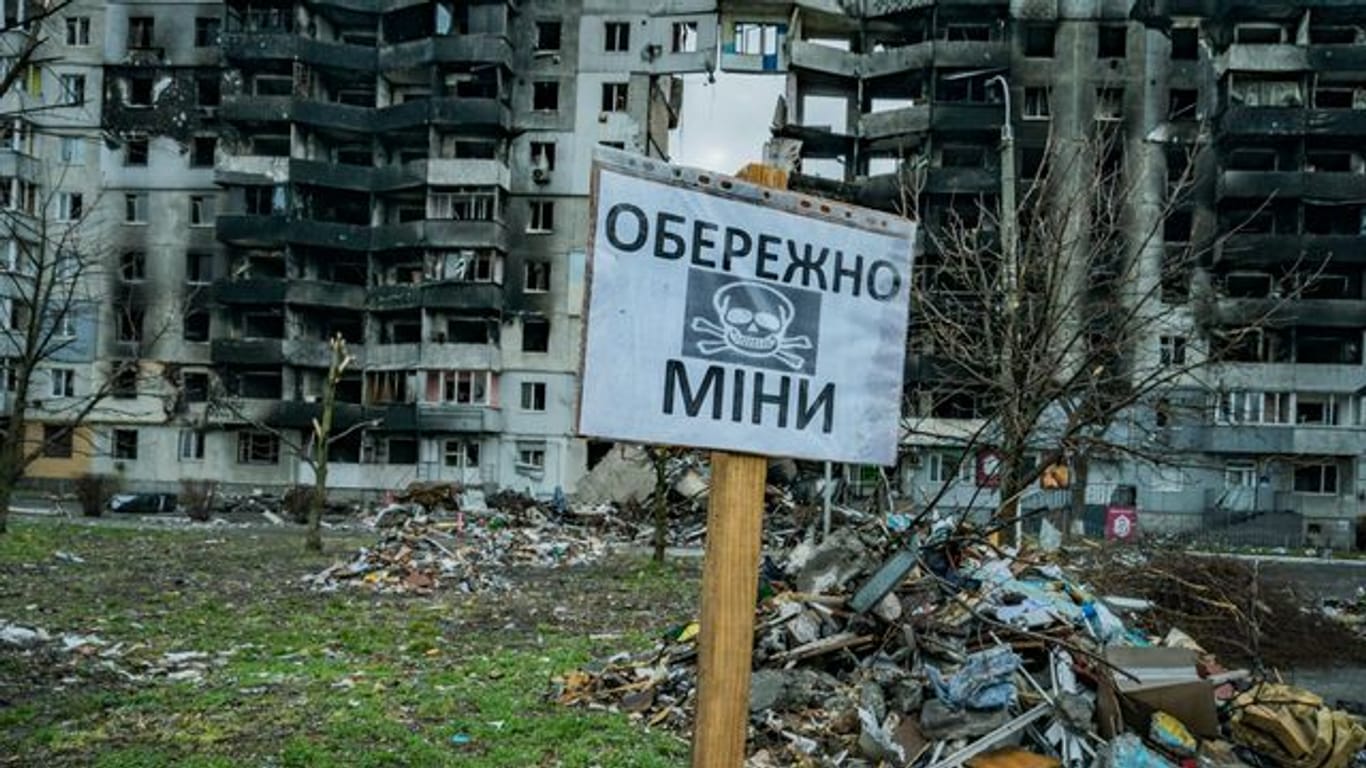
{"type": "Point", "coordinates": [548, 36]}
{"type": "Point", "coordinates": [465, 330]}
{"type": "Point", "coordinates": [962, 156]}
{"type": "Point", "coordinates": [1317, 478]}
{"type": "Point", "coordinates": [70, 206]}
{"type": "Point", "coordinates": [543, 155]}
{"type": "Point", "coordinates": [198, 268]}
{"type": "Point", "coordinates": [57, 441]}
{"type": "Point", "coordinates": [195, 385]}
{"type": "Point", "coordinates": [531, 458]}
{"type": "Point", "coordinates": [78, 30]}
{"type": "Point", "coordinates": [62, 381]}
{"type": "Point", "coordinates": [1036, 106]}
{"type": "Point", "coordinates": [1336, 35]}
{"type": "Point", "coordinates": [537, 276]}
{"type": "Point", "coordinates": [139, 92]}
{"type": "Point", "coordinates": [481, 266]}
{"type": "Point", "coordinates": [1039, 40]}
{"type": "Point", "coordinates": [545, 96]}
{"type": "Point", "coordinates": [756, 39]}
{"type": "Point", "coordinates": [1253, 159]}
{"type": "Point", "coordinates": [133, 266]}
{"type": "Point", "coordinates": [1265, 91]}
{"type": "Point", "coordinates": [1176, 228]}
{"type": "Point", "coordinates": [460, 387]}
{"type": "Point", "coordinates": [191, 445]}
{"type": "Point", "coordinates": [202, 151]}
{"type": "Point", "coordinates": [1333, 161]}
{"type": "Point", "coordinates": [1345, 96]}
{"type": "Point", "coordinates": [196, 326]}
{"type": "Point", "coordinates": [535, 335]}
{"type": "Point", "coordinates": [140, 31]}
{"type": "Point", "coordinates": [533, 396]}
{"type": "Point", "coordinates": [129, 325]}
{"type": "Point", "coordinates": [614, 97]}
{"type": "Point", "coordinates": [208, 91]}
{"type": "Point", "coordinates": [135, 151]}
{"type": "Point", "coordinates": [263, 324]}
{"type": "Point", "coordinates": [1111, 41]}
{"type": "Point", "coordinates": [464, 204]}
{"type": "Point", "coordinates": [1182, 105]}
{"type": "Point", "coordinates": [462, 454]}
{"type": "Point", "coordinates": [1172, 350]}
{"type": "Point", "coordinates": [616, 37]}
{"type": "Point", "coordinates": [542, 218]}
{"type": "Point", "coordinates": [684, 38]}
{"type": "Point", "coordinates": [1332, 219]}
{"type": "Point", "coordinates": [1328, 346]}
{"type": "Point", "coordinates": [1109, 103]}
{"type": "Point", "coordinates": [255, 447]}
{"type": "Point", "coordinates": [201, 210]}
{"type": "Point", "coordinates": [206, 30]}
{"type": "Point", "coordinates": [73, 89]}
{"type": "Point", "coordinates": [1185, 43]}
{"type": "Point", "coordinates": [126, 444]}
{"type": "Point", "coordinates": [1315, 409]}
{"type": "Point", "coordinates": [265, 201]}
{"type": "Point", "coordinates": [1259, 34]}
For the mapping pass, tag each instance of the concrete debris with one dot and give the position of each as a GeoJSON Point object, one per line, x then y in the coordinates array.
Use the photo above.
{"type": "Point", "coordinates": [623, 476]}
{"type": "Point", "coordinates": [84, 655]}
{"type": "Point", "coordinates": [421, 554]}
{"type": "Point", "coordinates": [973, 656]}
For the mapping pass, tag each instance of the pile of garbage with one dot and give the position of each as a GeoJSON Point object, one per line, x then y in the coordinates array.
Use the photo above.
{"type": "Point", "coordinates": [470, 552]}
{"type": "Point", "coordinates": [948, 651]}
{"type": "Point", "coordinates": [1350, 613]}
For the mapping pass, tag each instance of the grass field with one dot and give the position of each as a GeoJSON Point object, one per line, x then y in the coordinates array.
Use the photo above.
{"type": "Point", "coordinates": [295, 678]}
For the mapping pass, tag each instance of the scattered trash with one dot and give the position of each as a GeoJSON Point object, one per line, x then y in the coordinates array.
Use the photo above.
{"type": "Point", "coordinates": [67, 557]}
{"type": "Point", "coordinates": [946, 651]}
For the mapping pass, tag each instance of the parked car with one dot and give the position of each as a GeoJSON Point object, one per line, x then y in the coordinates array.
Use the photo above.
{"type": "Point", "coordinates": [143, 503]}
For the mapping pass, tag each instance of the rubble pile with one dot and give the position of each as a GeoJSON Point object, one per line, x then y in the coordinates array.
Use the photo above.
{"type": "Point", "coordinates": [1240, 616]}
{"type": "Point", "coordinates": [948, 651]}
{"type": "Point", "coordinates": [420, 554]}
{"type": "Point", "coordinates": [1348, 613]}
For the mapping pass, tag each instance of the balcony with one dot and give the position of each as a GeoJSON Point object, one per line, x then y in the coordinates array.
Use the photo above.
{"type": "Point", "coordinates": [477, 48]}
{"type": "Point", "coordinates": [329, 234]}
{"type": "Point", "coordinates": [480, 114]}
{"type": "Point", "coordinates": [260, 45]}
{"type": "Point", "coordinates": [1292, 121]}
{"type": "Point", "coordinates": [299, 414]}
{"type": "Point", "coordinates": [262, 290]}
{"type": "Point", "coordinates": [14, 164]}
{"type": "Point", "coordinates": [251, 169]}
{"type": "Point", "coordinates": [1292, 184]}
{"type": "Point", "coordinates": [247, 351]}
{"type": "Point", "coordinates": [320, 293]}
{"type": "Point", "coordinates": [1328, 313]}
{"type": "Point", "coordinates": [447, 417]}
{"type": "Point", "coordinates": [393, 356]}
{"type": "Point", "coordinates": [462, 295]}
{"type": "Point", "coordinates": [952, 116]}
{"type": "Point", "coordinates": [334, 115]}
{"type": "Point", "coordinates": [962, 180]}
{"type": "Point", "coordinates": [995, 53]}
{"type": "Point", "coordinates": [440, 232]}
{"type": "Point", "coordinates": [895, 122]}
{"type": "Point", "coordinates": [250, 108]}
{"type": "Point", "coordinates": [1337, 58]}
{"type": "Point", "coordinates": [1270, 249]}
{"type": "Point", "coordinates": [250, 231]}
{"type": "Point", "coordinates": [358, 178]}
{"type": "Point", "coordinates": [1282, 439]}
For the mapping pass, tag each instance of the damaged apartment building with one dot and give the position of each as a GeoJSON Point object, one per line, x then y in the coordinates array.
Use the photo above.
{"type": "Point", "coordinates": [412, 176]}
{"type": "Point", "coordinates": [1274, 96]}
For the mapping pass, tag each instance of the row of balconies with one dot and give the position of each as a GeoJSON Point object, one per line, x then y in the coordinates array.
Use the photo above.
{"type": "Point", "coordinates": [465, 113]}
{"type": "Point", "coordinates": [1327, 440]}
{"type": "Point", "coordinates": [1262, 249]}
{"type": "Point", "coordinates": [1292, 184]}
{"type": "Point", "coordinates": [833, 61]}
{"type": "Point", "coordinates": [250, 231]}
{"type": "Point", "coordinates": [446, 49]}
{"type": "Point", "coordinates": [316, 353]}
{"type": "Point", "coordinates": [255, 169]}
{"type": "Point", "coordinates": [400, 417]}
{"type": "Point", "coordinates": [1292, 121]}
{"type": "Point", "coordinates": [448, 294]}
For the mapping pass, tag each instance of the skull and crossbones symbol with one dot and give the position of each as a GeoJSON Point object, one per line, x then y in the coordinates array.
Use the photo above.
{"type": "Point", "coordinates": [754, 319]}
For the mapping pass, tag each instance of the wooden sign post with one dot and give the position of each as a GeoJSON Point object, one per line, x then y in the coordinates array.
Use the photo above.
{"type": "Point", "coordinates": [730, 584]}
{"type": "Point", "coordinates": [734, 316]}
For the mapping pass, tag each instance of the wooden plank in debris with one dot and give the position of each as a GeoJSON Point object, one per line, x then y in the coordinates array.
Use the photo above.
{"type": "Point", "coordinates": [822, 646]}
{"type": "Point", "coordinates": [1280, 725]}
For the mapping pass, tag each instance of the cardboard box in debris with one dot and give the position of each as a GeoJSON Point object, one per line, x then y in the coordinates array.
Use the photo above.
{"type": "Point", "coordinates": [954, 652]}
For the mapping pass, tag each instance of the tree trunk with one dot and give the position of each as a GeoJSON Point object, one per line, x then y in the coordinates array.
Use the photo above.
{"type": "Point", "coordinates": [313, 541]}
{"type": "Point", "coordinates": [661, 505]}
{"type": "Point", "coordinates": [4, 506]}
{"type": "Point", "coordinates": [12, 450]}
{"type": "Point", "coordinates": [1081, 467]}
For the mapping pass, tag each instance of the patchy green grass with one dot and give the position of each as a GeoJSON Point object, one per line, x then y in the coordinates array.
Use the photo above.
{"type": "Point", "coordinates": [346, 679]}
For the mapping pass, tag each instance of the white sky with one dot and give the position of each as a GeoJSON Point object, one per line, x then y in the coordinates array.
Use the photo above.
{"type": "Point", "coordinates": [725, 124]}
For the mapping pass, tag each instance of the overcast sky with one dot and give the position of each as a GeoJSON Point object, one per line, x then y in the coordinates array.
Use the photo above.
{"type": "Point", "coordinates": [725, 124]}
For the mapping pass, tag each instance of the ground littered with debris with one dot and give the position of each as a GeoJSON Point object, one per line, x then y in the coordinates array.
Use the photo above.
{"type": "Point", "coordinates": [949, 651]}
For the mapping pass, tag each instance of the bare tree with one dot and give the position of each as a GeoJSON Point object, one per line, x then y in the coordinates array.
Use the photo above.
{"type": "Point", "coordinates": [314, 447]}
{"type": "Point", "coordinates": [52, 281]}
{"type": "Point", "coordinates": [1043, 313]}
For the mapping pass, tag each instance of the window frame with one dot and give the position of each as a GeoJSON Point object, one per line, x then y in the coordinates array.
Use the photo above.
{"type": "Point", "coordinates": [533, 396]}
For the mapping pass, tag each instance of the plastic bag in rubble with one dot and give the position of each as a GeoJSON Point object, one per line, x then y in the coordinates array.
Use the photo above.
{"type": "Point", "coordinates": [1128, 751]}
{"type": "Point", "coordinates": [985, 681]}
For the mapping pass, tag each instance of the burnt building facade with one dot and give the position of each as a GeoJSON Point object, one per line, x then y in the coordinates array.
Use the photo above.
{"type": "Point", "coordinates": [1237, 128]}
